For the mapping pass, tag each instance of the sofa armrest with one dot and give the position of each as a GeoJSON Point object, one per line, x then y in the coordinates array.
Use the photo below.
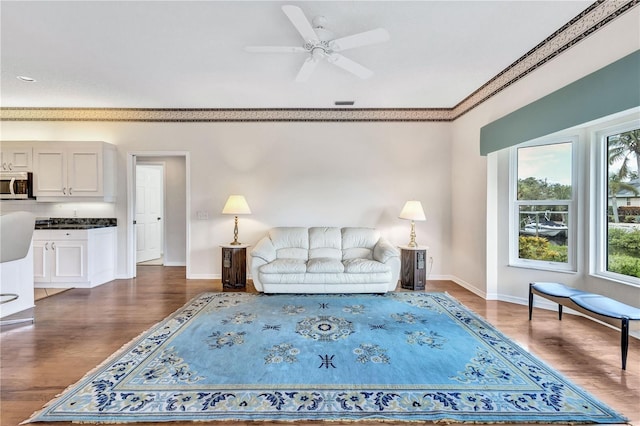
{"type": "Point", "coordinates": [384, 250]}
{"type": "Point", "coordinates": [388, 254]}
{"type": "Point", "coordinates": [256, 263]}
{"type": "Point", "coordinates": [264, 250]}
{"type": "Point", "coordinates": [262, 253]}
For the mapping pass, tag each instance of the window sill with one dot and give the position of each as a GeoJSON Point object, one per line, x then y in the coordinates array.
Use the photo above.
{"type": "Point", "coordinates": [616, 278]}
{"type": "Point", "coordinates": [542, 267]}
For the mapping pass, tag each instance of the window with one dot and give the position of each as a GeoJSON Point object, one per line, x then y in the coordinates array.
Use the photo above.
{"type": "Point", "coordinates": [542, 207]}
{"type": "Point", "coordinates": [618, 236]}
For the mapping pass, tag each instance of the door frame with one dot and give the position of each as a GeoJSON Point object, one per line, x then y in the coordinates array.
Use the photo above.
{"type": "Point", "coordinates": [131, 188]}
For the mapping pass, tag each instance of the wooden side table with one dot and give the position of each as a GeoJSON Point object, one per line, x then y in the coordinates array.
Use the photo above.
{"type": "Point", "coordinates": [413, 270]}
{"type": "Point", "coordinates": [234, 267]}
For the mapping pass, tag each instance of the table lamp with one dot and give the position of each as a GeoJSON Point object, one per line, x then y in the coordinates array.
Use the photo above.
{"type": "Point", "coordinates": [235, 205]}
{"type": "Point", "coordinates": [412, 210]}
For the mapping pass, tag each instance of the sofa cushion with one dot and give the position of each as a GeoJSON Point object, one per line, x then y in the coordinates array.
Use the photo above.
{"type": "Point", "coordinates": [290, 242]}
{"type": "Point", "coordinates": [298, 280]}
{"type": "Point", "coordinates": [324, 265]}
{"type": "Point", "coordinates": [285, 266]}
{"type": "Point", "coordinates": [358, 243]}
{"type": "Point", "coordinates": [364, 266]}
{"type": "Point", "coordinates": [325, 242]}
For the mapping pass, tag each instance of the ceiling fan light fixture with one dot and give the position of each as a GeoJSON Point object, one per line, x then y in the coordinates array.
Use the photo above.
{"type": "Point", "coordinates": [317, 53]}
{"type": "Point", "coordinates": [320, 44]}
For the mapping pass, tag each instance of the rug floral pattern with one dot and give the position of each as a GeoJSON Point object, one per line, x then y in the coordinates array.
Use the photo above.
{"type": "Point", "coordinates": [400, 356]}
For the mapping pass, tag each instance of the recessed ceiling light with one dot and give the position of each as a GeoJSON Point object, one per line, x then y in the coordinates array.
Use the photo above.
{"type": "Point", "coordinates": [26, 79]}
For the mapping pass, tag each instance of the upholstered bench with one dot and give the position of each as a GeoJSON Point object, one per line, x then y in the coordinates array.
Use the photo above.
{"type": "Point", "coordinates": [594, 305]}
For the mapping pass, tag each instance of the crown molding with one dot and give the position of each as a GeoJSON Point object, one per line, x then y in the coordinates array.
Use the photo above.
{"type": "Point", "coordinates": [596, 16]}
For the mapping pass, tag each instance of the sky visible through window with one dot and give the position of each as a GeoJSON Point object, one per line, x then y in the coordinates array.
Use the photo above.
{"type": "Point", "coordinates": [550, 162]}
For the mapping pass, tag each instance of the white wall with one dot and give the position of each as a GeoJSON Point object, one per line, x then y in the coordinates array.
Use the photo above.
{"type": "Point", "coordinates": [305, 174]}
{"type": "Point", "coordinates": [472, 242]}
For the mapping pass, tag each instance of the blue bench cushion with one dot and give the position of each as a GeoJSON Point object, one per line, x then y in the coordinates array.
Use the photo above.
{"type": "Point", "coordinates": [556, 289]}
{"type": "Point", "coordinates": [604, 306]}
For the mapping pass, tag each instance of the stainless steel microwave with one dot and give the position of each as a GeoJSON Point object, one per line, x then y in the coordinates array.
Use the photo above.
{"type": "Point", "coordinates": [16, 185]}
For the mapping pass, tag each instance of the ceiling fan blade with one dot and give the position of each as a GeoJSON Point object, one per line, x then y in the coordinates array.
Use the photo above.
{"type": "Point", "coordinates": [275, 49]}
{"type": "Point", "coordinates": [349, 65]}
{"type": "Point", "coordinates": [378, 35]}
{"type": "Point", "coordinates": [309, 65]}
{"type": "Point", "coordinates": [302, 24]}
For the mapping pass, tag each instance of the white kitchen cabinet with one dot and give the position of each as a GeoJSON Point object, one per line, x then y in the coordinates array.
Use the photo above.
{"type": "Point", "coordinates": [74, 258]}
{"type": "Point", "coordinates": [67, 171]}
{"type": "Point", "coordinates": [16, 156]}
{"type": "Point", "coordinates": [60, 256]}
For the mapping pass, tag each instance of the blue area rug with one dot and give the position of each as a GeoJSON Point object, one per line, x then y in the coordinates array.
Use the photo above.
{"type": "Point", "coordinates": [400, 356]}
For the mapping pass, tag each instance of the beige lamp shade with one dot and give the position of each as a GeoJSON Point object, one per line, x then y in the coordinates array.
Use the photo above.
{"type": "Point", "coordinates": [412, 210]}
{"type": "Point", "coordinates": [236, 204]}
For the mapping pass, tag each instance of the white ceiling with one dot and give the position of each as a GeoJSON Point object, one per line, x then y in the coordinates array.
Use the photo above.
{"type": "Point", "coordinates": [189, 54]}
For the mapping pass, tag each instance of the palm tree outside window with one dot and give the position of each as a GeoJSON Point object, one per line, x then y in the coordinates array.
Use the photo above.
{"type": "Point", "coordinates": [623, 222]}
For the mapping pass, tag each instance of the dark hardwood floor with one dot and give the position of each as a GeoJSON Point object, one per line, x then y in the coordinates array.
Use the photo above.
{"type": "Point", "coordinates": [78, 329]}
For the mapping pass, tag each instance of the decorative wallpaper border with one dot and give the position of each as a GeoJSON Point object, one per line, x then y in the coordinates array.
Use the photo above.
{"type": "Point", "coordinates": [204, 115]}
{"type": "Point", "coordinates": [596, 16]}
{"type": "Point", "coordinates": [590, 20]}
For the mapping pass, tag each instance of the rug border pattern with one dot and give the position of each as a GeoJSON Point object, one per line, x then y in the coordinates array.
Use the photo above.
{"type": "Point", "coordinates": [381, 397]}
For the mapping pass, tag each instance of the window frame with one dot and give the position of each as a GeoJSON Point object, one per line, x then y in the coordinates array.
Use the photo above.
{"type": "Point", "coordinates": [599, 212]}
{"type": "Point", "coordinates": [571, 265]}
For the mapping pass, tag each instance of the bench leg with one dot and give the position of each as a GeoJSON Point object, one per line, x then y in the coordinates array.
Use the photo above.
{"type": "Point", "coordinates": [530, 302]}
{"type": "Point", "coordinates": [560, 312]}
{"type": "Point", "coordinates": [624, 341]}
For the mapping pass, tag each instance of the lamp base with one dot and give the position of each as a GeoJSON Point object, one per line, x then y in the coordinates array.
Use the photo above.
{"type": "Point", "coordinates": [412, 242]}
{"type": "Point", "coordinates": [235, 241]}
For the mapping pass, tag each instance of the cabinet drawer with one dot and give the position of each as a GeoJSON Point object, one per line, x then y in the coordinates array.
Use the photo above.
{"type": "Point", "coordinates": [60, 234]}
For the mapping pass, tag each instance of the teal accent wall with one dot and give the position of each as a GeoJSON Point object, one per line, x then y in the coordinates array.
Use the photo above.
{"type": "Point", "coordinates": [607, 91]}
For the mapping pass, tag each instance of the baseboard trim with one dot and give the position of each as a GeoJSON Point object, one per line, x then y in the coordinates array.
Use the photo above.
{"type": "Point", "coordinates": [462, 283]}
{"type": "Point", "coordinates": [204, 276]}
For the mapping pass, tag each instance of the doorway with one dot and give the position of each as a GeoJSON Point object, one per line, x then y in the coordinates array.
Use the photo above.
{"type": "Point", "coordinates": [158, 195]}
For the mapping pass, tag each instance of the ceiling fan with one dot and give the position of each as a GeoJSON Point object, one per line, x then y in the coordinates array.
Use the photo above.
{"type": "Point", "coordinates": [320, 43]}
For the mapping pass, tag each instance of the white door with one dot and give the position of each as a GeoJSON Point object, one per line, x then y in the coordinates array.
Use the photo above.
{"type": "Point", "coordinates": [149, 205]}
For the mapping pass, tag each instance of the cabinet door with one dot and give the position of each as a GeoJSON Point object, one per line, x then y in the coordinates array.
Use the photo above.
{"type": "Point", "coordinates": [16, 160]}
{"type": "Point", "coordinates": [84, 172]}
{"type": "Point", "coordinates": [70, 261]}
{"type": "Point", "coordinates": [41, 261]}
{"type": "Point", "coordinates": [50, 172]}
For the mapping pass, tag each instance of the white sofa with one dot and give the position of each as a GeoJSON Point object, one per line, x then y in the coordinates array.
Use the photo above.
{"type": "Point", "coordinates": [324, 260]}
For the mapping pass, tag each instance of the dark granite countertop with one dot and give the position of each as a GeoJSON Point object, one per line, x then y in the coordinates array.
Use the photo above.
{"type": "Point", "coordinates": [75, 223]}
